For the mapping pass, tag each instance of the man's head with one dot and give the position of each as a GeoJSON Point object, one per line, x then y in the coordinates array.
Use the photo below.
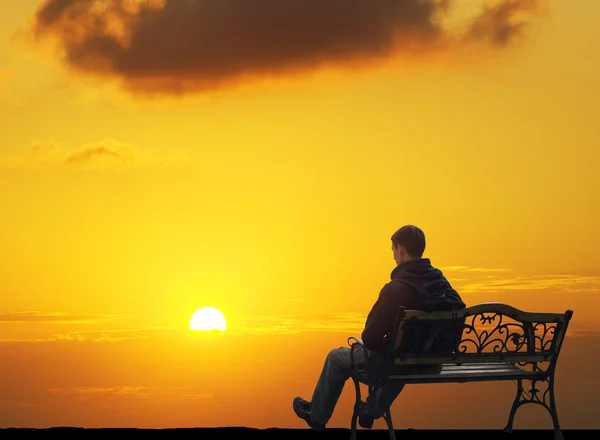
{"type": "Point", "coordinates": [408, 243]}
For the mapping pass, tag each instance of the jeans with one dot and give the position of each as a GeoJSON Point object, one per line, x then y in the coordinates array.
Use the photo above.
{"type": "Point", "coordinates": [337, 370]}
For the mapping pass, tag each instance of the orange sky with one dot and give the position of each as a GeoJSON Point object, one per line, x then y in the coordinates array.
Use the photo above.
{"type": "Point", "coordinates": [272, 198]}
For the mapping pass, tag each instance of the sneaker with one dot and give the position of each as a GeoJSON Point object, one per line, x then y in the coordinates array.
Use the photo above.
{"type": "Point", "coordinates": [303, 409]}
{"type": "Point", "coordinates": [365, 420]}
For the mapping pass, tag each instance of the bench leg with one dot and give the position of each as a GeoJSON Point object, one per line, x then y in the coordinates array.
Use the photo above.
{"type": "Point", "coordinates": [355, 411]}
{"type": "Point", "coordinates": [516, 404]}
{"type": "Point", "coordinates": [552, 409]}
{"type": "Point", "coordinates": [388, 419]}
{"type": "Point", "coordinates": [544, 398]}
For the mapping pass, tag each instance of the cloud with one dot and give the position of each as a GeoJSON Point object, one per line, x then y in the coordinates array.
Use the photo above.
{"type": "Point", "coordinates": [179, 46]}
{"type": "Point", "coordinates": [108, 335]}
{"type": "Point", "coordinates": [54, 318]}
{"type": "Point", "coordinates": [113, 335]}
{"type": "Point", "coordinates": [566, 283]}
{"type": "Point", "coordinates": [134, 392]}
{"type": "Point", "coordinates": [498, 23]}
{"type": "Point", "coordinates": [286, 324]}
{"type": "Point", "coordinates": [471, 269]}
{"type": "Point", "coordinates": [583, 333]}
{"type": "Point", "coordinates": [8, 404]}
{"type": "Point", "coordinates": [281, 324]}
{"type": "Point", "coordinates": [485, 280]}
{"type": "Point", "coordinates": [101, 154]}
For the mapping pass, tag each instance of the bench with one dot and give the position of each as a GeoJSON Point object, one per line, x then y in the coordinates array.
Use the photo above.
{"type": "Point", "coordinates": [489, 342]}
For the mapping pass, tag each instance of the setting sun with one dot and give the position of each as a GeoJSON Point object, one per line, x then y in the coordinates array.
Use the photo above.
{"type": "Point", "coordinates": [208, 318]}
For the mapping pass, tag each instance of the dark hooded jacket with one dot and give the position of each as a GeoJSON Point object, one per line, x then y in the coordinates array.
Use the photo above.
{"type": "Point", "coordinates": [382, 317]}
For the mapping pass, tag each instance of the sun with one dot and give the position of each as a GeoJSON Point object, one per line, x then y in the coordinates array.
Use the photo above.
{"type": "Point", "coordinates": [208, 318]}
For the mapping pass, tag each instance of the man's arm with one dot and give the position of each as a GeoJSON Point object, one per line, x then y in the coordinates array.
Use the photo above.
{"type": "Point", "coordinates": [382, 317]}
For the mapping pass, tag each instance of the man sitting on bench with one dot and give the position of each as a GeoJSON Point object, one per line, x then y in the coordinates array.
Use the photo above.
{"type": "Point", "coordinates": [415, 284]}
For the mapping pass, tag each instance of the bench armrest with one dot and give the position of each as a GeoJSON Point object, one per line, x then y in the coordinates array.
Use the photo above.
{"type": "Point", "coordinates": [356, 340]}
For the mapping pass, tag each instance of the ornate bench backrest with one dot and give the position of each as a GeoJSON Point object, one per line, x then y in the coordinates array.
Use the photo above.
{"type": "Point", "coordinates": [489, 332]}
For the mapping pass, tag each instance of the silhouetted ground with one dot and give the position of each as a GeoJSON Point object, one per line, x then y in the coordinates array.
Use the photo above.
{"type": "Point", "coordinates": [284, 434]}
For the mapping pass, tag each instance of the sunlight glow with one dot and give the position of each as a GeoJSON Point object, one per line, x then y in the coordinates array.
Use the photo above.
{"type": "Point", "coordinates": [208, 318]}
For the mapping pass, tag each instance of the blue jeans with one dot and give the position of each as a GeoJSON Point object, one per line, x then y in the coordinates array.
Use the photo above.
{"type": "Point", "coordinates": [337, 370]}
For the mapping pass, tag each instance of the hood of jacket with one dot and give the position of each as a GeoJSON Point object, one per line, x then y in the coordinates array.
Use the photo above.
{"type": "Point", "coordinates": [419, 270]}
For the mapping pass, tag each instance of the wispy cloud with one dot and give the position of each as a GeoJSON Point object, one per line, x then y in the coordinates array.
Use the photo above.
{"type": "Point", "coordinates": [8, 404]}
{"type": "Point", "coordinates": [103, 154]}
{"type": "Point", "coordinates": [471, 269]}
{"type": "Point", "coordinates": [565, 283]}
{"type": "Point", "coordinates": [111, 335]}
{"type": "Point", "coordinates": [134, 392]}
{"type": "Point", "coordinates": [299, 323]}
{"type": "Point", "coordinates": [54, 318]}
{"type": "Point", "coordinates": [583, 333]}
{"type": "Point", "coordinates": [280, 324]}
{"type": "Point", "coordinates": [502, 280]}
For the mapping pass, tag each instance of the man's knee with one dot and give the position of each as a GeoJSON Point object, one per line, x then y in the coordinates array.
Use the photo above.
{"type": "Point", "coordinates": [336, 353]}
{"type": "Point", "coordinates": [339, 357]}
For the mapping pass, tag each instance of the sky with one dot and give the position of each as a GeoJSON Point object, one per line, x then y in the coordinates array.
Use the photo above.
{"type": "Point", "coordinates": [160, 156]}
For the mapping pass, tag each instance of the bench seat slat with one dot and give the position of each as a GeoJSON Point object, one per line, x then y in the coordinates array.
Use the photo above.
{"type": "Point", "coordinates": [476, 358]}
{"type": "Point", "coordinates": [469, 373]}
{"type": "Point", "coordinates": [480, 366]}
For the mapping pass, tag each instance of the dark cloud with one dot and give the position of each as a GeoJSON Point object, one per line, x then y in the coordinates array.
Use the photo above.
{"type": "Point", "coordinates": [500, 24]}
{"type": "Point", "coordinates": [177, 46]}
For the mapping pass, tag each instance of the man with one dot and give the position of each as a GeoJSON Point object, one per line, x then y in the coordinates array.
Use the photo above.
{"type": "Point", "coordinates": [412, 272]}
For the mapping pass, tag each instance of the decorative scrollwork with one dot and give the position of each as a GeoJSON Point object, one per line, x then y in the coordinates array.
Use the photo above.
{"type": "Point", "coordinates": [493, 332]}
{"type": "Point", "coordinates": [535, 391]}
{"type": "Point", "coordinates": [544, 333]}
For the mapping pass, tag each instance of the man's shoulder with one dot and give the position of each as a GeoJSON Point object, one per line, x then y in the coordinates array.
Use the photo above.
{"type": "Point", "coordinates": [400, 285]}
{"type": "Point", "coordinates": [416, 284]}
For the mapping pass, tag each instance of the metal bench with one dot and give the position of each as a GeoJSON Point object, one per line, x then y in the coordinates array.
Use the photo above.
{"type": "Point", "coordinates": [485, 342]}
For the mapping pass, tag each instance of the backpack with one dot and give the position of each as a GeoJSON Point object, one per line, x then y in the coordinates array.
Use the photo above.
{"type": "Point", "coordinates": [431, 335]}
{"type": "Point", "coordinates": [435, 296]}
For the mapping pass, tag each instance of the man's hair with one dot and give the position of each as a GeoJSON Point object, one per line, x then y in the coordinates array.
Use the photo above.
{"type": "Point", "coordinates": [411, 238]}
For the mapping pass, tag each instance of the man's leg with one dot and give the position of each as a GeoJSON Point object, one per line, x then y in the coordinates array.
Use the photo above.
{"type": "Point", "coordinates": [335, 373]}
{"type": "Point", "coordinates": [382, 398]}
